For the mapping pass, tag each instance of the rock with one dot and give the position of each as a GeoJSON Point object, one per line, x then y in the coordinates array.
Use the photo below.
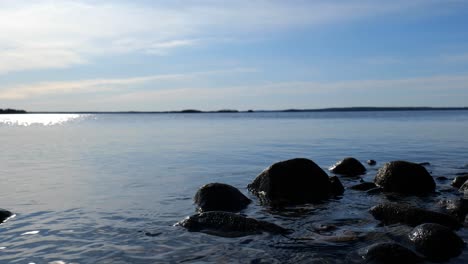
{"type": "Point", "coordinates": [371, 162]}
{"type": "Point", "coordinates": [373, 191]}
{"type": "Point", "coordinates": [464, 188]}
{"type": "Point", "coordinates": [459, 180]}
{"type": "Point", "coordinates": [349, 167]}
{"type": "Point", "coordinates": [457, 208]}
{"type": "Point", "coordinates": [4, 215]}
{"type": "Point", "coordinates": [294, 181]}
{"type": "Point", "coordinates": [424, 164]}
{"type": "Point", "coordinates": [336, 186]}
{"type": "Point", "coordinates": [389, 252]}
{"type": "Point", "coordinates": [405, 178]}
{"type": "Point", "coordinates": [436, 242]}
{"type": "Point", "coordinates": [220, 197]}
{"type": "Point", "coordinates": [389, 213]}
{"type": "Point", "coordinates": [442, 178]}
{"type": "Point", "coordinates": [228, 224]}
{"type": "Point", "coordinates": [363, 186]}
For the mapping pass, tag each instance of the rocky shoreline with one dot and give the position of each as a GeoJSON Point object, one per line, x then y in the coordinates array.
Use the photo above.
{"type": "Point", "coordinates": [301, 181]}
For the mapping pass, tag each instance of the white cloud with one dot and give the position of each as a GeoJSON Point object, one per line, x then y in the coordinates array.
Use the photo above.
{"type": "Point", "coordinates": [55, 34]}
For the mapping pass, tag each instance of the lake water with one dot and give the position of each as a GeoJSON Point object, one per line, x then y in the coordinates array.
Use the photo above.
{"type": "Point", "coordinates": [108, 188]}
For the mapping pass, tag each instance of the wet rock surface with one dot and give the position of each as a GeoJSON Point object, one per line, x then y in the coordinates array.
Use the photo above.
{"type": "Point", "coordinates": [405, 177]}
{"type": "Point", "coordinates": [292, 181]}
{"type": "Point", "coordinates": [390, 253]}
{"type": "Point", "coordinates": [436, 242]}
{"type": "Point", "coordinates": [391, 213]}
{"type": "Point", "coordinates": [337, 187]}
{"type": "Point", "coordinates": [348, 167]}
{"type": "Point", "coordinates": [459, 180]}
{"type": "Point", "coordinates": [371, 162]}
{"type": "Point", "coordinates": [228, 224]}
{"type": "Point", "coordinates": [456, 207]}
{"type": "Point", "coordinates": [220, 197]}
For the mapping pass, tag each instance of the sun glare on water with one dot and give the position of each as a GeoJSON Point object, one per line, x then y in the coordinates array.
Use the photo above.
{"type": "Point", "coordinates": [37, 119]}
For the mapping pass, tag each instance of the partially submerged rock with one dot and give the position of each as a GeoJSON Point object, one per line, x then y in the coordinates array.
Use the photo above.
{"type": "Point", "coordinates": [228, 224]}
{"type": "Point", "coordinates": [391, 253]}
{"type": "Point", "coordinates": [348, 167]}
{"type": "Point", "coordinates": [371, 162]}
{"type": "Point", "coordinates": [4, 215]}
{"type": "Point", "coordinates": [363, 186]}
{"type": "Point", "coordinates": [389, 213]}
{"type": "Point", "coordinates": [220, 197]}
{"type": "Point", "coordinates": [459, 180]}
{"type": "Point", "coordinates": [294, 181]}
{"type": "Point", "coordinates": [464, 188]}
{"type": "Point", "coordinates": [456, 207]}
{"type": "Point", "coordinates": [436, 242]}
{"type": "Point", "coordinates": [405, 177]}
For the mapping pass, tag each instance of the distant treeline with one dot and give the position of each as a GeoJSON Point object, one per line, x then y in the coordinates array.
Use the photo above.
{"type": "Point", "coordinates": [11, 111]}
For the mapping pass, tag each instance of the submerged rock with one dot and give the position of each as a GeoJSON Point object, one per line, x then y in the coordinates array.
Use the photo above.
{"type": "Point", "coordinates": [436, 242]}
{"type": "Point", "coordinates": [389, 213]}
{"type": "Point", "coordinates": [228, 224]}
{"type": "Point", "coordinates": [349, 167]}
{"type": "Point", "coordinates": [220, 197]}
{"type": "Point", "coordinates": [363, 186]}
{"type": "Point", "coordinates": [371, 162]}
{"type": "Point", "coordinates": [391, 253]}
{"type": "Point", "coordinates": [405, 178]}
{"type": "Point", "coordinates": [4, 215]}
{"type": "Point", "coordinates": [459, 180]}
{"type": "Point", "coordinates": [293, 181]}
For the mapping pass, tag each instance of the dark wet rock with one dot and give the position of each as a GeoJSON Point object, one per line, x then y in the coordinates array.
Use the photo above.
{"type": "Point", "coordinates": [337, 187]}
{"type": "Point", "coordinates": [375, 191]}
{"type": "Point", "coordinates": [228, 224]}
{"type": "Point", "coordinates": [405, 178]}
{"type": "Point", "coordinates": [456, 207]}
{"type": "Point", "coordinates": [294, 181]}
{"type": "Point", "coordinates": [424, 164]}
{"type": "Point", "coordinates": [220, 197]}
{"type": "Point", "coordinates": [464, 188]}
{"type": "Point", "coordinates": [436, 242]}
{"type": "Point", "coordinates": [4, 215]}
{"type": "Point", "coordinates": [371, 162]}
{"type": "Point", "coordinates": [442, 178]}
{"type": "Point", "coordinates": [391, 253]}
{"type": "Point", "coordinates": [349, 167]}
{"type": "Point", "coordinates": [459, 180]}
{"type": "Point", "coordinates": [390, 213]}
{"type": "Point", "coordinates": [363, 186]}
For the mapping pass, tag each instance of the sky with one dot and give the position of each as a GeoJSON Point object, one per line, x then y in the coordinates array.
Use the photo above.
{"type": "Point", "coordinates": [171, 55]}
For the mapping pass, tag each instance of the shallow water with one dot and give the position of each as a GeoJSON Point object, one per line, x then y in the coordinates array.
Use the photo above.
{"type": "Point", "coordinates": [108, 188]}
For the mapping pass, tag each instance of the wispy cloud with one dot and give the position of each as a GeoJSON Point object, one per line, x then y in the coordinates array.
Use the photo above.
{"type": "Point", "coordinates": [55, 34]}
{"type": "Point", "coordinates": [175, 91]}
{"type": "Point", "coordinates": [114, 85]}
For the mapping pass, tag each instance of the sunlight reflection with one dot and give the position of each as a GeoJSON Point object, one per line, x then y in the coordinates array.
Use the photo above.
{"type": "Point", "coordinates": [38, 119]}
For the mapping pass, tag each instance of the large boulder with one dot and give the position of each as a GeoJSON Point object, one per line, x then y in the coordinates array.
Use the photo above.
{"type": "Point", "coordinates": [228, 224]}
{"type": "Point", "coordinates": [436, 242]}
{"type": "Point", "coordinates": [348, 167]}
{"type": "Point", "coordinates": [220, 197]}
{"type": "Point", "coordinates": [389, 213]}
{"type": "Point", "coordinates": [4, 215]}
{"type": "Point", "coordinates": [389, 253]}
{"type": "Point", "coordinates": [405, 178]}
{"type": "Point", "coordinates": [293, 181]}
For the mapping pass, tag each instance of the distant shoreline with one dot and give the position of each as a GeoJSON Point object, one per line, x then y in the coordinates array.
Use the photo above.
{"type": "Point", "coordinates": [194, 111]}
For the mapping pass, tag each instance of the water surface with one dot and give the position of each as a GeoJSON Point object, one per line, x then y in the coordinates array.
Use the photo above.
{"type": "Point", "coordinates": [107, 188]}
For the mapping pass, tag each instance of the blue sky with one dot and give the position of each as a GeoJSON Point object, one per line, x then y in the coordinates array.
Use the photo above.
{"type": "Point", "coordinates": [209, 55]}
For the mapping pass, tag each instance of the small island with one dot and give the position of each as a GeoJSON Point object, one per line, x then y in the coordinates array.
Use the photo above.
{"type": "Point", "coordinates": [12, 111]}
